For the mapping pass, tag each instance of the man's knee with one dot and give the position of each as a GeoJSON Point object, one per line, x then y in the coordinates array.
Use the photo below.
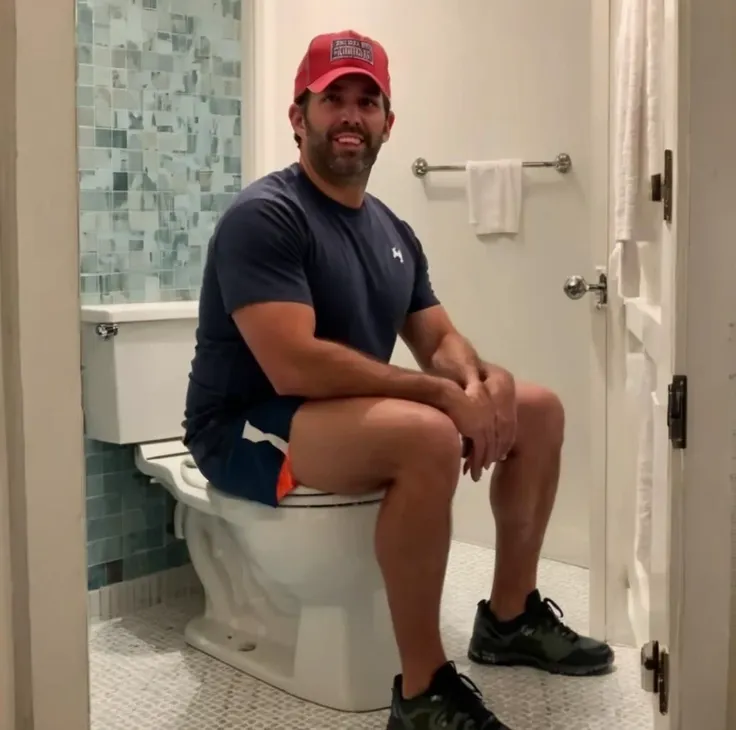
{"type": "Point", "coordinates": [541, 415]}
{"type": "Point", "coordinates": [430, 440]}
{"type": "Point", "coordinates": [428, 453]}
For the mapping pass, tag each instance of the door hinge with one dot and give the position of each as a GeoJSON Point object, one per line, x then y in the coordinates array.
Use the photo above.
{"type": "Point", "coordinates": [655, 673]}
{"type": "Point", "coordinates": [677, 411]}
{"type": "Point", "coordinates": [656, 190]}
{"type": "Point", "coordinates": [668, 186]}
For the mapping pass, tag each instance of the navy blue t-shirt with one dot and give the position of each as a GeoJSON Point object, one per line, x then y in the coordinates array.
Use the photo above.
{"type": "Point", "coordinates": [283, 240]}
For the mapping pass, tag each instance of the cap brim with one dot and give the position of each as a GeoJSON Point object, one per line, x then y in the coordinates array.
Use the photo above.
{"type": "Point", "coordinates": [320, 84]}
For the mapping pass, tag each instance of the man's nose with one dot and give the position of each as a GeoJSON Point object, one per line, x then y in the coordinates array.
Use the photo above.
{"type": "Point", "coordinates": [350, 114]}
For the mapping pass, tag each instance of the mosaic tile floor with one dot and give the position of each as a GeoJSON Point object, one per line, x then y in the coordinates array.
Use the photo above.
{"type": "Point", "coordinates": [143, 676]}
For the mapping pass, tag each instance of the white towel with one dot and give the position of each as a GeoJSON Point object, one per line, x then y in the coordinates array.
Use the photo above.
{"type": "Point", "coordinates": [653, 88]}
{"type": "Point", "coordinates": [616, 298]}
{"type": "Point", "coordinates": [640, 384]}
{"type": "Point", "coordinates": [630, 66]}
{"type": "Point", "coordinates": [494, 196]}
{"type": "Point", "coordinates": [638, 132]}
{"type": "Point", "coordinates": [624, 272]}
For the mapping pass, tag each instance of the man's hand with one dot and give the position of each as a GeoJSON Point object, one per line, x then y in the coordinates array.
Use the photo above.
{"type": "Point", "coordinates": [500, 385]}
{"type": "Point", "coordinates": [481, 449]}
{"type": "Point", "coordinates": [485, 415]}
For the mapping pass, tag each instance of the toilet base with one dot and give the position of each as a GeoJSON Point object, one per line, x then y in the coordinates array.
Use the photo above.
{"type": "Point", "coordinates": [345, 656]}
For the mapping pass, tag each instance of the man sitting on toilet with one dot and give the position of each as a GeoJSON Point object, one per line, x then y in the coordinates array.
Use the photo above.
{"type": "Point", "coordinates": [308, 282]}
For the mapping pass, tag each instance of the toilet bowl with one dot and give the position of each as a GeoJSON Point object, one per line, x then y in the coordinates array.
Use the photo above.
{"type": "Point", "coordinates": [293, 595]}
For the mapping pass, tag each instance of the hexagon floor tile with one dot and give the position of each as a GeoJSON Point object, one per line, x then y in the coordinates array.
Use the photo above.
{"type": "Point", "coordinates": [144, 676]}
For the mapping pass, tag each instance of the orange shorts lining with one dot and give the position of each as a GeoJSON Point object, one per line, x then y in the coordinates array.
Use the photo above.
{"type": "Point", "coordinates": [286, 482]}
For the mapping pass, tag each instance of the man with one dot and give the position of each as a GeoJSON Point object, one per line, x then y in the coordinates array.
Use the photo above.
{"type": "Point", "coordinates": [308, 282]}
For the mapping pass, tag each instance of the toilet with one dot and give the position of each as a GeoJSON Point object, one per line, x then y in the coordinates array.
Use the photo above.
{"type": "Point", "coordinates": [293, 596]}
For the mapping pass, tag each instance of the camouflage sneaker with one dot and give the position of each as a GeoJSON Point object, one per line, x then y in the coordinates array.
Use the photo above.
{"type": "Point", "coordinates": [452, 702]}
{"type": "Point", "coordinates": [537, 639]}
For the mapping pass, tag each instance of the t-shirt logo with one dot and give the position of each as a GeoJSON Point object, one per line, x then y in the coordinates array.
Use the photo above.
{"type": "Point", "coordinates": [345, 49]}
{"type": "Point", "coordinates": [397, 254]}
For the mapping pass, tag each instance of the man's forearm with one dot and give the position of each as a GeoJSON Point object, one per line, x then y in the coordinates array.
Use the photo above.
{"type": "Point", "coordinates": [455, 358]}
{"type": "Point", "coordinates": [326, 369]}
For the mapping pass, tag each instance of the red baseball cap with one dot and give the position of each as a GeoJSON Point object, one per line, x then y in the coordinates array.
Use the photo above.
{"type": "Point", "coordinates": [332, 55]}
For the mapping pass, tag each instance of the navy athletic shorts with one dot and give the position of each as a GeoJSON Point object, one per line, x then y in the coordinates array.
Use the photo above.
{"type": "Point", "coordinates": [253, 462]}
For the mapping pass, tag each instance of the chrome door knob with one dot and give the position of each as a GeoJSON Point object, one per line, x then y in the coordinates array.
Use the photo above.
{"type": "Point", "coordinates": [576, 288]}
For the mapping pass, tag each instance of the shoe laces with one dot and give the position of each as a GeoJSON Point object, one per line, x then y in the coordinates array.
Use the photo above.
{"type": "Point", "coordinates": [465, 697]}
{"type": "Point", "coordinates": [552, 615]}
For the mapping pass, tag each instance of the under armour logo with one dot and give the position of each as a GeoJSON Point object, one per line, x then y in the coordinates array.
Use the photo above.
{"type": "Point", "coordinates": [397, 254]}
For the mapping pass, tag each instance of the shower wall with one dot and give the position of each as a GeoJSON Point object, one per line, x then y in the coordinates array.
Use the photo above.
{"type": "Point", "coordinates": [159, 149]}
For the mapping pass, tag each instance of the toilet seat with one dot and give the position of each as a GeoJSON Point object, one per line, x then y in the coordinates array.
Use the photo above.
{"type": "Point", "coordinates": [171, 461]}
{"type": "Point", "coordinates": [299, 497]}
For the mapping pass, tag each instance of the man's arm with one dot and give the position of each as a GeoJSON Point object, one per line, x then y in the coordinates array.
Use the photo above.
{"type": "Point", "coordinates": [282, 339]}
{"type": "Point", "coordinates": [440, 349]}
{"type": "Point", "coordinates": [258, 259]}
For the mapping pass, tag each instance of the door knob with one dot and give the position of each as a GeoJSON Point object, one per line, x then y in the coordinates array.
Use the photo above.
{"type": "Point", "coordinates": [576, 288]}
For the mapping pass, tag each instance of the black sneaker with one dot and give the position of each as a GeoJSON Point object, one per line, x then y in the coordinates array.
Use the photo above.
{"type": "Point", "coordinates": [539, 639]}
{"type": "Point", "coordinates": [452, 701]}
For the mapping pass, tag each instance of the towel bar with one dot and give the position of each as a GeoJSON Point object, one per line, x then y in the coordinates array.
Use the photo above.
{"type": "Point", "coordinates": [420, 167]}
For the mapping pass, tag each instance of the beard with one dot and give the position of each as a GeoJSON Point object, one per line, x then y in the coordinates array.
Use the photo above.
{"type": "Point", "coordinates": [341, 166]}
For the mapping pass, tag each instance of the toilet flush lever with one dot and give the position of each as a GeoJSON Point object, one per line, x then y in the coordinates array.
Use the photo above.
{"type": "Point", "coordinates": [106, 330]}
{"type": "Point", "coordinates": [576, 288]}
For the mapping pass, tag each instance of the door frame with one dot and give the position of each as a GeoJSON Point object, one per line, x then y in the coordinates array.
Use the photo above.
{"type": "Point", "coordinates": [599, 195]}
{"type": "Point", "coordinates": [44, 598]}
{"type": "Point", "coordinates": [702, 545]}
{"type": "Point", "coordinates": [43, 581]}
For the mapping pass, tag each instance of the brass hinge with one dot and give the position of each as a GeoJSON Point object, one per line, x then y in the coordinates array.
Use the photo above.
{"type": "Point", "coordinates": [677, 411]}
{"type": "Point", "coordinates": [662, 187]}
{"type": "Point", "coordinates": [655, 673]}
{"type": "Point", "coordinates": [668, 186]}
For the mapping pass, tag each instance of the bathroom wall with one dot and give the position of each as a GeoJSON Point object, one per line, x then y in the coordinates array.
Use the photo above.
{"type": "Point", "coordinates": [159, 151]}
{"type": "Point", "coordinates": [488, 80]}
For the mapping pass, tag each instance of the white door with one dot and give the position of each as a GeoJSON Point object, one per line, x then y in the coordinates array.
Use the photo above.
{"type": "Point", "coordinates": [689, 669]}
{"type": "Point", "coordinates": [647, 426]}
{"type": "Point", "coordinates": [669, 401]}
{"type": "Point", "coordinates": [681, 581]}
{"type": "Point", "coordinates": [482, 80]}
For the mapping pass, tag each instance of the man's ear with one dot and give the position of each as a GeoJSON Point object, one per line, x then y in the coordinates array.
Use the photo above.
{"type": "Point", "coordinates": [296, 117]}
{"type": "Point", "coordinates": [388, 126]}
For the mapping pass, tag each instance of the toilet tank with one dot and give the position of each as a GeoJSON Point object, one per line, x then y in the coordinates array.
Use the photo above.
{"type": "Point", "coordinates": [135, 369]}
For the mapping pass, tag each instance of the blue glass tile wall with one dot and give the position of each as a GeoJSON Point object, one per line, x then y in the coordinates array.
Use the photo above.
{"type": "Point", "coordinates": [129, 522]}
{"type": "Point", "coordinates": [159, 152]}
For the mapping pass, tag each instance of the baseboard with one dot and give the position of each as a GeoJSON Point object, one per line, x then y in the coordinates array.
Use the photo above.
{"type": "Point", "coordinates": [134, 595]}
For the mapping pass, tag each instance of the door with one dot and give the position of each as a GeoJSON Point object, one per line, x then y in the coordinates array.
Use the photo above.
{"type": "Point", "coordinates": [483, 80]}
{"type": "Point", "coordinates": [689, 670]}
{"type": "Point", "coordinates": [647, 416]}
{"type": "Point", "coordinates": [669, 406]}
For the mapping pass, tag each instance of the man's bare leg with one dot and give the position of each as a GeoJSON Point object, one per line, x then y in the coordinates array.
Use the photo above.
{"type": "Point", "coordinates": [518, 627]}
{"type": "Point", "coordinates": [523, 491]}
{"type": "Point", "coordinates": [359, 445]}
